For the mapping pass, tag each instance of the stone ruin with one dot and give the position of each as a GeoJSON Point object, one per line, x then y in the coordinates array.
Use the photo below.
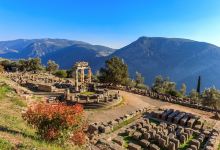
{"type": "Point", "coordinates": [155, 130]}
{"type": "Point", "coordinates": [99, 96]}
{"type": "Point", "coordinates": [58, 89]}
{"type": "Point", "coordinates": [82, 66]}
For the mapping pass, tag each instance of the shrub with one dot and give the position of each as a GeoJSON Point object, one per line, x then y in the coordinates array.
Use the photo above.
{"type": "Point", "coordinates": [61, 73]}
{"type": "Point", "coordinates": [141, 86]}
{"type": "Point", "coordinates": [1, 69]}
{"type": "Point", "coordinates": [56, 122]}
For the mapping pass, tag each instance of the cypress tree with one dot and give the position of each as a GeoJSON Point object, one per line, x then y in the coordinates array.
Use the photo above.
{"type": "Point", "coordinates": [199, 85]}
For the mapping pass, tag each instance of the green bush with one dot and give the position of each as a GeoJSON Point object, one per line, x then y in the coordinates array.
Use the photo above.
{"type": "Point", "coordinates": [173, 93]}
{"type": "Point", "coordinates": [61, 73]}
{"type": "Point", "coordinates": [141, 86]}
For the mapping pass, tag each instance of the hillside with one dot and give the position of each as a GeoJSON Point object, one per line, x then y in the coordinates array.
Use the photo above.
{"type": "Point", "coordinates": [180, 59]}
{"type": "Point", "coordinates": [23, 48]}
{"type": "Point", "coordinates": [14, 131]}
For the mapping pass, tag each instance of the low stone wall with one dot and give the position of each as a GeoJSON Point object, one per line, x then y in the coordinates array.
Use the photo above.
{"type": "Point", "coordinates": [45, 88]}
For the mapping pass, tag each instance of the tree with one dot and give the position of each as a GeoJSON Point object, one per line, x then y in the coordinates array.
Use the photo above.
{"type": "Point", "coordinates": [52, 66]}
{"type": "Point", "coordinates": [139, 79]}
{"type": "Point", "coordinates": [158, 84]}
{"type": "Point", "coordinates": [183, 89]}
{"type": "Point", "coordinates": [23, 65]}
{"type": "Point", "coordinates": [194, 95]}
{"type": "Point", "coordinates": [61, 73]}
{"type": "Point", "coordinates": [199, 85]}
{"type": "Point", "coordinates": [115, 71]}
{"type": "Point", "coordinates": [211, 97]}
{"type": "Point", "coordinates": [34, 64]}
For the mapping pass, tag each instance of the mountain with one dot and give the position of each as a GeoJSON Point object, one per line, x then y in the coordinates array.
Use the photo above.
{"type": "Point", "coordinates": [67, 56]}
{"type": "Point", "coordinates": [23, 48]}
{"type": "Point", "coordinates": [181, 60]}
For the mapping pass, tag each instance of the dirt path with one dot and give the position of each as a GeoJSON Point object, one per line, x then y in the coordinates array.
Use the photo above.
{"type": "Point", "coordinates": [134, 102]}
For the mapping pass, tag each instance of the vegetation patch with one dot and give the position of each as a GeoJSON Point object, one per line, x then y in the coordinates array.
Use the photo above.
{"type": "Point", "coordinates": [19, 102]}
{"type": "Point", "coordinates": [127, 139]}
{"type": "Point", "coordinates": [57, 122]}
{"type": "Point", "coordinates": [5, 145]}
{"type": "Point", "coordinates": [124, 123]}
{"type": "Point", "coordinates": [152, 120]}
{"type": "Point", "coordinates": [87, 93]}
{"type": "Point", "coordinates": [13, 127]}
{"type": "Point", "coordinates": [185, 145]}
{"type": "Point", "coordinates": [4, 89]}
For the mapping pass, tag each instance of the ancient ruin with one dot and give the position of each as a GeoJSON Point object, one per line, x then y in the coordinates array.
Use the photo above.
{"type": "Point", "coordinates": [82, 66]}
{"type": "Point", "coordinates": [152, 128]}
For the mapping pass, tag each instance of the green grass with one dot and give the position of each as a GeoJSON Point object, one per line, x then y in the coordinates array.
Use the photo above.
{"type": "Point", "coordinates": [87, 93]}
{"type": "Point", "coordinates": [219, 147]}
{"type": "Point", "coordinates": [5, 145]}
{"type": "Point", "coordinates": [185, 145]}
{"type": "Point", "coordinates": [124, 123]}
{"type": "Point", "coordinates": [4, 89]}
{"type": "Point", "coordinates": [18, 101]}
{"type": "Point", "coordinates": [127, 139]}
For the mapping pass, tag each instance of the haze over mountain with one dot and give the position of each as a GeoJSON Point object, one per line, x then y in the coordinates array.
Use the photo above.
{"type": "Point", "coordinates": [23, 48]}
{"type": "Point", "coordinates": [180, 59]}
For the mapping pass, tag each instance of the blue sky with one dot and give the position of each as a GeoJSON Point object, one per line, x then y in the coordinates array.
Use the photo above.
{"type": "Point", "coordinates": [114, 23]}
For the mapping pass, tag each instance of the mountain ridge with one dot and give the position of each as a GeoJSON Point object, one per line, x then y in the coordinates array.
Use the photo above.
{"type": "Point", "coordinates": [183, 60]}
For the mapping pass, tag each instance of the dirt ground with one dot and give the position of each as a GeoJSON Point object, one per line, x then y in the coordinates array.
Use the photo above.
{"type": "Point", "coordinates": [133, 102]}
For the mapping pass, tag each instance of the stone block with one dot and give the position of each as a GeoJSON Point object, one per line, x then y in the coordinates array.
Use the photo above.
{"type": "Point", "coordinates": [132, 146]}
{"type": "Point", "coordinates": [195, 142]}
{"type": "Point", "coordinates": [144, 143]}
{"type": "Point", "coordinates": [137, 135]}
{"type": "Point", "coordinates": [119, 140]}
{"type": "Point", "coordinates": [154, 147]}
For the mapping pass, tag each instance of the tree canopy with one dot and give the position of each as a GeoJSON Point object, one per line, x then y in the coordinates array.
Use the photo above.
{"type": "Point", "coordinates": [115, 71]}
{"type": "Point", "coordinates": [52, 66]}
{"type": "Point", "coordinates": [211, 97]}
{"type": "Point", "coordinates": [139, 78]}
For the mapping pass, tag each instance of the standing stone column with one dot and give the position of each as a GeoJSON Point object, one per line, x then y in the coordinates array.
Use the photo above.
{"type": "Point", "coordinates": [82, 76]}
{"type": "Point", "coordinates": [89, 75]}
{"type": "Point", "coordinates": [76, 80]}
{"type": "Point", "coordinates": [67, 94]}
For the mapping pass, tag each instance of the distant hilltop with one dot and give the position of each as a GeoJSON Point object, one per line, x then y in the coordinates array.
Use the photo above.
{"type": "Point", "coordinates": [181, 60]}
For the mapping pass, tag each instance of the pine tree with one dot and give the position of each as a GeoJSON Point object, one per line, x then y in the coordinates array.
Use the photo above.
{"type": "Point", "coordinates": [199, 85]}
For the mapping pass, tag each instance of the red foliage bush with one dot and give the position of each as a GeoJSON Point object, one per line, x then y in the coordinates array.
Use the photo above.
{"type": "Point", "coordinates": [78, 137]}
{"type": "Point", "coordinates": [57, 121]}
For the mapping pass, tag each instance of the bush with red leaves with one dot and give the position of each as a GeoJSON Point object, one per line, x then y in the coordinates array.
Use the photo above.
{"type": "Point", "coordinates": [57, 121]}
